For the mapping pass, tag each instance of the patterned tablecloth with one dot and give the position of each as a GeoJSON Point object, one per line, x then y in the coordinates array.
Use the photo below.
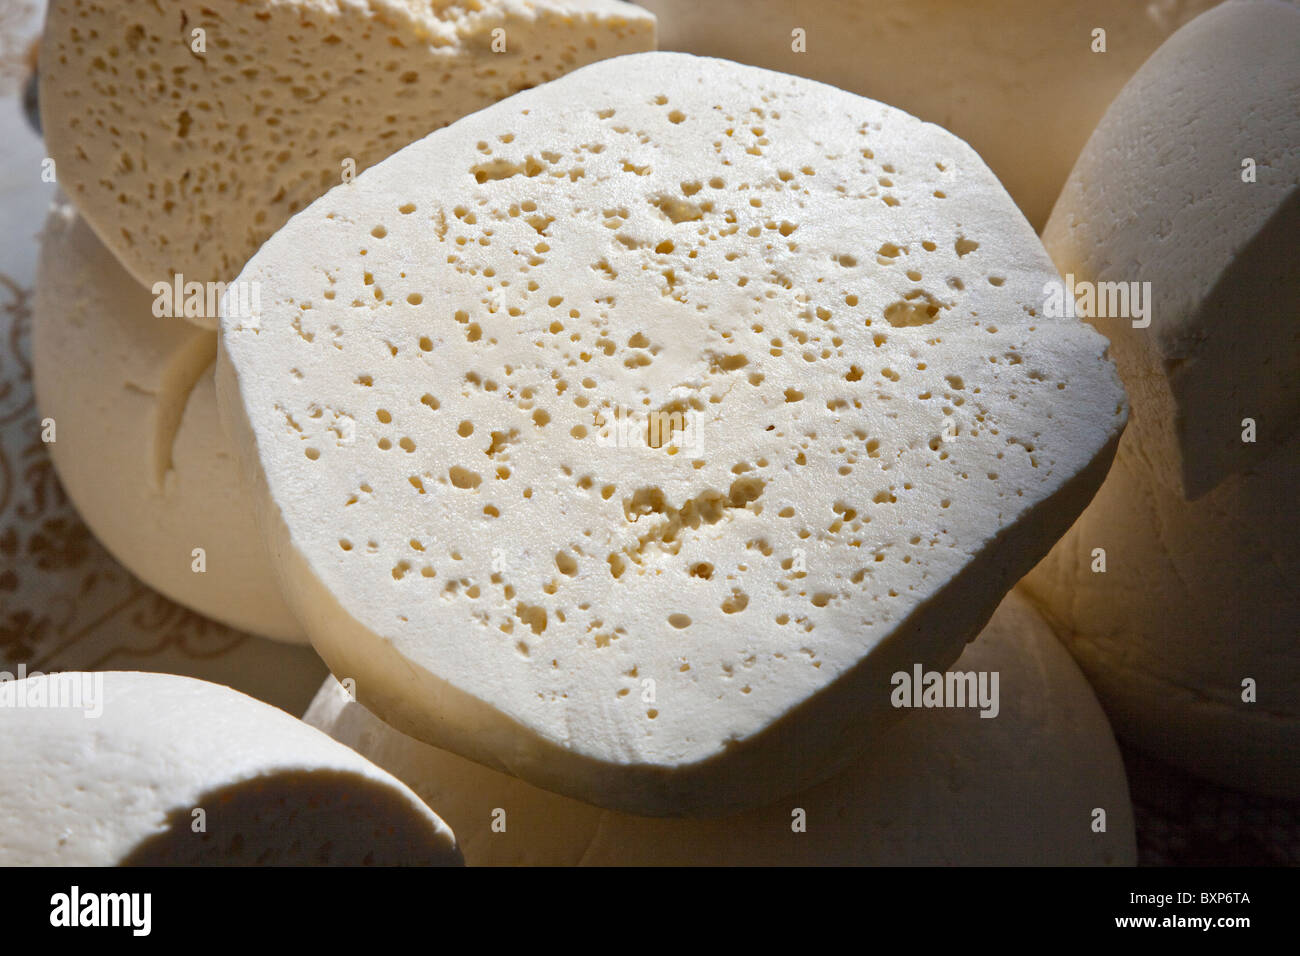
{"type": "Point", "coordinates": [66, 604]}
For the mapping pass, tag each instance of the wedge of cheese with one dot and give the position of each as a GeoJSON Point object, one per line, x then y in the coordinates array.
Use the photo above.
{"type": "Point", "coordinates": [629, 434]}
{"type": "Point", "coordinates": [947, 788]}
{"type": "Point", "coordinates": [1191, 186]}
{"type": "Point", "coordinates": [128, 406]}
{"type": "Point", "coordinates": [188, 132]}
{"type": "Point", "coordinates": [124, 768]}
{"type": "Point", "coordinates": [1023, 81]}
{"type": "Point", "coordinates": [1188, 633]}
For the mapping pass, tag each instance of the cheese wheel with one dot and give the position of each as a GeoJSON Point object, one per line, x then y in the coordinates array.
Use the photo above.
{"type": "Point", "coordinates": [123, 768]}
{"type": "Point", "coordinates": [443, 403]}
{"type": "Point", "coordinates": [1023, 81]}
{"type": "Point", "coordinates": [1189, 189]}
{"type": "Point", "coordinates": [1196, 599]}
{"type": "Point", "coordinates": [1189, 632]}
{"type": "Point", "coordinates": [947, 787]}
{"type": "Point", "coordinates": [131, 405]}
{"type": "Point", "coordinates": [187, 133]}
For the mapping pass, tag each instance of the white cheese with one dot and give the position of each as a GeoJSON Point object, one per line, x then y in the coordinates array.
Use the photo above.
{"type": "Point", "coordinates": [820, 287]}
{"type": "Point", "coordinates": [1189, 633]}
{"type": "Point", "coordinates": [1023, 81]}
{"type": "Point", "coordinates": [130, 403]}
{"type": "Point", "coordinates": [155, 769]}
{"type": "Point", "coordinates": [946, 787]}
{"type": "Point", "coordinates": [1197, 599]}
{"type": "Point", "coordinates": [1191, 183]}
{"type": "Point", "coordinates": [188, 135]}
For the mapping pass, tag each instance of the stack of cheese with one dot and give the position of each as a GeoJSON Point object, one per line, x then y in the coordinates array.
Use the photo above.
{"type": "Point", "coordinates": [185, 137]}
{"type": "Point", "coordinates": [624, 447]}
{"type": "Point", "coordinates": [1177, 588]}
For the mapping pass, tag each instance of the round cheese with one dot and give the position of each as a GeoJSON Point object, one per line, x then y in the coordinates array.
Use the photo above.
{"type": "Point", "coordinates": [1183, 612]}
{"type": "Point", "coordinates": [188, 133]}
{"type": "Point", "coordinates": [1189, 192]}
{"type": "Point", "coordinates": [1023, 81]}
{"type": "Point", "coordinates": [130, 405]}
{"type": "Point", "coordinates": [628, 434]}
{"type": "Point", "coordinates": [124, 768]}
{"type": "Point", "coordinates": [947, 787]}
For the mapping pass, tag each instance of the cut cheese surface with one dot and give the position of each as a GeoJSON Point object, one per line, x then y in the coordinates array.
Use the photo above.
{"type": "Point", "coordinates": [628, 434]}
{"type": "Point", "coordinates": [1023, 81]}
{"type": "Point", "coordinates": [187, 133]}
{"type": "Point", "coordinates": [1196, 599]}
{"type": "Point", "coordinates": [1191, 183]}
{"type": "Point", "coordinates": [154, 769]}
{"type": "Point", "coordinates": [137, 443]}
{"type": "Point", "coordinates": [947, 788]}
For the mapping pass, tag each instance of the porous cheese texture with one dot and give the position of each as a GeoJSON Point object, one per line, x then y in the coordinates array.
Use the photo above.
{"type": "Point", "coordinates": [948, 787]}
{"type": "Point", "coordinates": [1192, 183]}
{"type": "Point", "coordinates": [445, 402]}
{"type": "Point", "coordinates": [1196, 598]}
{"type": "Point", "coordinates": [137, 443]}
{"type": "Point", "coordinates": [1017, 79]}
{"type": "Point", "coordinates": [185, 160]}
{"type": "Point", "coordinates": [118, 773]}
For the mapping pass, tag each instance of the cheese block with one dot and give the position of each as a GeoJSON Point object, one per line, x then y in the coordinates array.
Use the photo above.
{"type": "Point", "coordinates": [1190, 187]}
{"type": "Point", "coordinates": [123, 768]}
{"type": "Point", "coordinates": [130, 404]}
{"type": "Point", "coordinates": [1189, 632]}
{"type": "Point", "coordinates": [1019, 80]}
{"type": "Point", "coordinates": [947, 788]}
{"type": "Point", "coordinates": [187, 133]}
{"type": "Point", "coordinates": [601, 435]}
{"type": "Point", "coordinates": [1196, 599]}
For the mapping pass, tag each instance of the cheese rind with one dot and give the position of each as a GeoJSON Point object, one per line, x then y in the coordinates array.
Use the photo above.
{"type": "Point", "coordinates": [1196, 599]}
{"type": "Point", "coordinates": [119, 772]}
{"type": "Point", "coordinates": [188, 135]}
{"type": "Point", "coordinates": [1022, 81]}
{"type": "Point", "coordinates": [1191, 183]}
{"type": "Point", "coordinates": [138, 446]}
{"type": "Point", "coordinates": [947, 787]}
{"type": "Point", "coordinates": [1189, 632]}
{"type": "Point", "coordinates": [695, 621]}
